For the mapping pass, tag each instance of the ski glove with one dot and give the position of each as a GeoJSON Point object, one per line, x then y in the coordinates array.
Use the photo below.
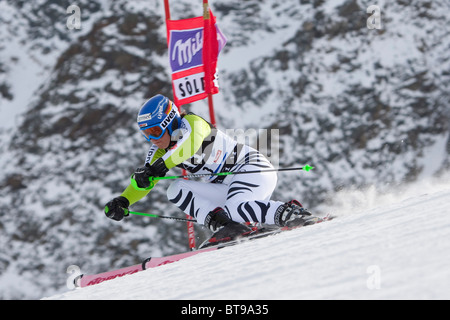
{"type": "Point", "coordinates": [142, 175]}
{"type": "Point", "coordinates": [117, 208]}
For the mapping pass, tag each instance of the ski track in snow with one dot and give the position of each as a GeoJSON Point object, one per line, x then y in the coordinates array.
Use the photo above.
{"type": "Point", "coordinates": [396, 250]}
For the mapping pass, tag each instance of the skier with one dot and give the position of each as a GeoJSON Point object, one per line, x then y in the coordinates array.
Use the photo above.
{"type": "Point", "coordinates": [221, 203]}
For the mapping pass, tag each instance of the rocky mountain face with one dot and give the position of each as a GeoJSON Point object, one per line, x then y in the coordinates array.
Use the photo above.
{"type": "Point", "coordinates": [364, 106]}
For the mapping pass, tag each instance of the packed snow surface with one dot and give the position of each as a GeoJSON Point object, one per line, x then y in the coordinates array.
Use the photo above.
{"type": "Point", "coordinates": [391, 246]}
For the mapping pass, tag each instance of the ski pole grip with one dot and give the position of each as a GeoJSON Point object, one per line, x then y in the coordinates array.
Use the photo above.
{"type": "Point", "coordinates": [135, 185]}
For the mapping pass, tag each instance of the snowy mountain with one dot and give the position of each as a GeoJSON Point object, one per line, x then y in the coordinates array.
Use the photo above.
{"type": "Point", "coordinates": [367, 107]}
{"type": "Point", "coordinates": [386, 247]}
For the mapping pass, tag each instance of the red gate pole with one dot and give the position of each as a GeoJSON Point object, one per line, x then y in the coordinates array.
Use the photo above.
{"type": "Point", "coordinates": [190, 225]}
{"type": "Point", "coordinates": [210, 96]}
{"type": "Point", "coordinates": [211, 110]}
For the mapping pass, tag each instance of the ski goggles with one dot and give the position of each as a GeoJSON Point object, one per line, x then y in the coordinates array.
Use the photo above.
{"type": "Point", "coordinates": [155, 132]}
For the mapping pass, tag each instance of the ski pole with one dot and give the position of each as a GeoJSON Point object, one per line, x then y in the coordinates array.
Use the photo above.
{"type": "Point", "coordinates": [306, 168]}
{"type": "Point", "coordinates": [160, 216]}
{"type": "Point", "coordinates": [187, 176]}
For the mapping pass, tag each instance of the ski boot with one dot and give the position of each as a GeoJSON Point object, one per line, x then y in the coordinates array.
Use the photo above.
{"type": "Point", "coordinates": [292, 214]}
{"type": "Point", "coordinates": [223, 227]}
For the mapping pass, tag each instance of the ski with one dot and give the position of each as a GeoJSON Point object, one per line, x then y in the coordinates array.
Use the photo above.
{"type": "Point", "coordinates": [85, 280]}
{"type": "Point", "coordinates": [257, 233]}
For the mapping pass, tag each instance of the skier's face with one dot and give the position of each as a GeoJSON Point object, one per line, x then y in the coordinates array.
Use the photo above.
{"type": "Point", "coordinates": [163, 142]}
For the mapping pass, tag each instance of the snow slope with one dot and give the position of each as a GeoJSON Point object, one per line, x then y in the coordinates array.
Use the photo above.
{"type": "Point", "coordinates": [391, 246]}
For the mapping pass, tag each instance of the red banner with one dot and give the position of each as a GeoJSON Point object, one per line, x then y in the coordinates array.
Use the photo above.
{"type": "Point", "coordinates": [194, 45]}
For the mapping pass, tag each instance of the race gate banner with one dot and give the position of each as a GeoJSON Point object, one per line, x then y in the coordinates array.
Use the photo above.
{"type": "Point", "coordinates": [194, 71]}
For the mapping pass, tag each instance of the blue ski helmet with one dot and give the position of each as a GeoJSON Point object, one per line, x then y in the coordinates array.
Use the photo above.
{"type": "Point", "coordinates": [156, 116]}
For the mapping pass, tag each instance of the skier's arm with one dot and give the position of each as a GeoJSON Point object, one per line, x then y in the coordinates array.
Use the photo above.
{"type": "Point", "coordinates": [131, 193]}
{"type": "Point", "coordinates": [134, 195]}
{"type": "Point", "coordinates": [117, 208]}
{"type": "Point", "coordinates": [194, 133]}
